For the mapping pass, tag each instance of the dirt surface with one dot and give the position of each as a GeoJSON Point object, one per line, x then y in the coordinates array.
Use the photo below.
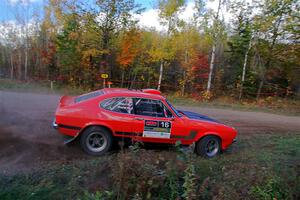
{"type": "Point", "coordinates": [27, 140]}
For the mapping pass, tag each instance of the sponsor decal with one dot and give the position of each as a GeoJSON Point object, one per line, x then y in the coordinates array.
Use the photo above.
{"type": "Point", "coordinates": [154, 134]}
{"type": "Point", "coordinates": [151, 123]}
{"type": "Point", "coordinates": [157, 129]}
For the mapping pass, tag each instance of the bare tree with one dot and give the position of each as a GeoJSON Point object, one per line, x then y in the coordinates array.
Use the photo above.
{"type": "Point", "coordinates": [161, 69]}
{"type": "Point", "coordinates": [244, 67]}
{"type": "Point", "coordinates": [213, 52]}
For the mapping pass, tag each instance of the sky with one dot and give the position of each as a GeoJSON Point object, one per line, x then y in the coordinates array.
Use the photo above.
{"type": "Point", "coordinates": [149, 18]}
{"type": "Point", "coordinates": [9, 8]}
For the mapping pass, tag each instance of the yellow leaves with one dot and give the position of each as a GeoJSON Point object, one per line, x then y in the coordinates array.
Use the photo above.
{"type": "Point", "coordinates": [207, 95]}
{"type": "Point", "coordinates": [162, 49]}
{"type": "Point", "coordinates": [73, 36]}
{"type": "Point", "coordinates": [90, 53]}
{"type": "Point", "coordinates": [188, 47]}
{"type": "Point", "coordinates": [170, 7]}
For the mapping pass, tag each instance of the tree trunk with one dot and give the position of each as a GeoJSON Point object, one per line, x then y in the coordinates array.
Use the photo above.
{"type": "Point", "coordinates": [259, 89]}
{"type": "Point", "coordinates": [148, 81]}
{"type": "Point", "coordinates": [211, 68]}
{"type": "Point", "coordinates": [183, 84]}
{"type": "Point", "coordinates": [184, 73]}
{"type": "Point", "coordinates": [132, 82]}
{"type": "Point", "coordinates": [20, 66]}
{"type": "Point", "coordinates": [26, 63]}
{"type": "Point", "coordinates": [123, 74]}
{"type": "Point", "coordinates": [160, 74]}
{"type": "Point", "coordinates": [35, 64]}
{"type": "Point", "coordinates": [244, 69]}
{"type": "Point", "coordinates": [128, 79]}
{"type": "Point", "coordinates": [213, 53]}
{"type": "Point", "coordinates": [4, 61]}
{"type": "Point", "coordinates": [26, 50]}
{"type": "Point", "coordinates": [11, 66]}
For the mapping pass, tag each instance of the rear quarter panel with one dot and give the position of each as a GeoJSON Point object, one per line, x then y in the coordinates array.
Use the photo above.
{"type": "Point", "coordinates": [76, 115]}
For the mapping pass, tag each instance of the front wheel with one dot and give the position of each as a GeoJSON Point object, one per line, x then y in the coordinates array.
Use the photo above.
{"type": "Point", "coordinates": [96, 141]}
{"type": "Point", "coordinates": [209, 146]}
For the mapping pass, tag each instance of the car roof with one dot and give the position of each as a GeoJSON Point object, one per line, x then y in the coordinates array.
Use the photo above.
{"type": "Point", "coordinates": [147, 93]}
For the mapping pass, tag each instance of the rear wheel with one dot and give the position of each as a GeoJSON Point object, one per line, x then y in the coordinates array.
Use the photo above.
{"type": "Point", "coordinates": [96, 141]}
{"type": "Point", "coordinates": [209, 146]}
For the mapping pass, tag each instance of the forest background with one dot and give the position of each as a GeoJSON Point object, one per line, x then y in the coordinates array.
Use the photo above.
{"type": "Point", "coordinates": [204, 49]}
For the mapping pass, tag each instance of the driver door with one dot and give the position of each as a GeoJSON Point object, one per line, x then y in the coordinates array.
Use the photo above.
{"type": "Point", "coordinates": [154, 122]}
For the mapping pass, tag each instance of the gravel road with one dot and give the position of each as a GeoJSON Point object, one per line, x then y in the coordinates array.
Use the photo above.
{"type": "Point", "coordinates": [28, 141]}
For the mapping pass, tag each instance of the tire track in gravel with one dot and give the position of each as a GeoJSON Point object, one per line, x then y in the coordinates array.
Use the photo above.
{"type": "Point", "coordinates": [27, 140]}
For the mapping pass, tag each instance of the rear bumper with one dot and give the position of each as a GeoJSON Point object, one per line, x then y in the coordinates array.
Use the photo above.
{"type": "Point", "coordinates": [54, 125]}
{"type": "Point", "coordinates": [67, 138]}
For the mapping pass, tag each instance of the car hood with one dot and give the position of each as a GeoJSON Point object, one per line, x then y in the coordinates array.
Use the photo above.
{"type": "Point", "coordinates": [197, 116]}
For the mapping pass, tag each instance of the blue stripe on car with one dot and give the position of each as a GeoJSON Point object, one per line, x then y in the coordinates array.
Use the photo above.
{"type": "Point", "coordinates": [198, 116]}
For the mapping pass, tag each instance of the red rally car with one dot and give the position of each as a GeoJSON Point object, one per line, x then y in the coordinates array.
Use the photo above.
{"type": "Point", "coordinates": [100, 117]}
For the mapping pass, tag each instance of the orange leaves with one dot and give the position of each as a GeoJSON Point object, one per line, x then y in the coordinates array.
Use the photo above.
{"type": "Point", "coordinates": [48, 54]}
{"type": "Point", "coordinates": [200, 65]}
{"type": "Point", "coordinates": [129, 48]}
{"type": "Point", "coordinates": [199, 73]}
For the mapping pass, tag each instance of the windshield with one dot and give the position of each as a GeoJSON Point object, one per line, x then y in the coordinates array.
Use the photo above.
{"type": "Point", "coordinates": [174, 109]}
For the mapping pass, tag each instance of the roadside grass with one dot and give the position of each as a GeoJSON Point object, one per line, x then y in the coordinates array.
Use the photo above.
{"type": "Point", "coordinates": [259, 166]}
{"type": "Point", "coordinates": [21, 86]}
{"type": "Point", "coordinates": [269, 104]}
{"type": "Point", "coordinates": [38, 87]}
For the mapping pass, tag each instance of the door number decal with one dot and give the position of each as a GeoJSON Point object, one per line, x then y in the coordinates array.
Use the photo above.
{"type": "Point", "coordinates": [157, 129]}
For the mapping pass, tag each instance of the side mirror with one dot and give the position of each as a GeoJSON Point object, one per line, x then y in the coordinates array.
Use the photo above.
{"type": "Point", "coordinates": [172, 118]}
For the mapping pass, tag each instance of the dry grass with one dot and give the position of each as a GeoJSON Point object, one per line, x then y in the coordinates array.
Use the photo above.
{"type": "Point", "coordinates": [261, 166]}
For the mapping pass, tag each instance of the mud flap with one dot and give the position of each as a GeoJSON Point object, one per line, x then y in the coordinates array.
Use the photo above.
{"type": "Point", "coordinates": [69, 139]}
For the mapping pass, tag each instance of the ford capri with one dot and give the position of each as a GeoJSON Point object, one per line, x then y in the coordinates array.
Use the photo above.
{"type": "Point", "coordinates": [99, 118]}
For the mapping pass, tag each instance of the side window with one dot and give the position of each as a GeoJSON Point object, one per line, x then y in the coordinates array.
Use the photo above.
{"type": "Point", "coordinates": [120, 104]}
{"type": "Point", "coordinates": [149, 107]}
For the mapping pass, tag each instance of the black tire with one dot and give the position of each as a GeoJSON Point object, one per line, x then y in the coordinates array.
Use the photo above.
{"type": "Point", "coordinates": [209, 146]}
{"type": "Point", "coordinates": [96, 141]}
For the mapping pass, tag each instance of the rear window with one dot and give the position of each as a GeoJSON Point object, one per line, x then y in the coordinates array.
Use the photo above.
{"type": "Point", "coordinates": [88, 96]}
{"type": "Point", "coordinates": [119, 104]}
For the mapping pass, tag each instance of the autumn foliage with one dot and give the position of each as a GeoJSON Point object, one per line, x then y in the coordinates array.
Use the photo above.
{"type": "Point", "coordinates": [129, 48]}
{"type": "Point", "coordinates": [73, 42]}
